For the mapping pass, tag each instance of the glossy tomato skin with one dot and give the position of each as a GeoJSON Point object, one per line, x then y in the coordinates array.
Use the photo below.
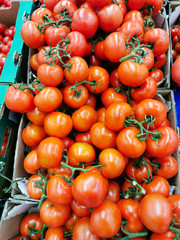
{"type": "Point", "coordinates": [18, 100]}
{"type": "Point", "coordinates": [44, 58]}
{"type": "Point", "coordinates": [135, 16]}
{"type": "Point", "coordinates": [113, 192]}
{"type": "Point", "coordinates": [175, 201]}
{"type": "Point", "coordinates": [158, 219]}
{"type": "Point", "coordinates": [114, 79]}
{"type": "Point", "coordinates": [134, 4]}
{"type": "Point", "coordinates": [31, 35]}
{"type": "Point", "coordinates": [55, 233]}
{"type": "Point", "coordinates": [157, 75]}
{"type": "Point", "coordinates": [130, 211]}
{"type": "Point", "coordinates": [132, 74]}
{"type": "Point", "coordinates": [114, 46]}
{"type": "Point", "coordinates": [48, 100]}
{"type": "Point", "coordinates": [106, 219]}
{"type": "Point", "coordinates": [31, 220]}
{"type": "Point", "coordinates": [128, 143]}
{"type": "Point", "coordinates": [155, 4]}
{"type": "Point", "coordinates": [113, 163]}
{"type": "Point", "coordinates": [84, 118]}
{"type": "Point", "coordinates": [175, 71]}
{"type": "Point", "coordinates": [36, 116]}
{"type": "Point", "coordinates": [33, 134]}
{"type": "Point", "coordinates": [37, 15]}
{"type": "Point", "coordinates": [49, 152]}
{"type": "Point", "coordinates": [160, 60]}
{"type": "Point", "coordinates": [31, 163]}
{"type": "Point", "coordinates": [167, 144]}
{"type": "Point", "coordinates": [131, 28]}
{"type": "Point", "coordinates": [102, 137]}
{"type": "Point", "coordinates": [58, 191]}
{"type": "Point", "coordinates": [33, 191]}
{"type": "Point", "coordinates": [151, 107]}
{"type": "Point", "coordinates": [19, 237]}
{"type": "Point", "coordinates": [168, 235]}
{"type": "Point", "coordinates": [72, 220]}
{"type": "Point", "coordinates": [54, 215]}
{"type": "Point", "coordinates": [110, 17]}
{"type": "Point", "coordinates": [169, 167]}
{"type": "Point", "coordinates": [146, 91]}
{"type": "Point", "coordinates": [91, 101]}
{"type": "Point", "coordinates": [158, 185]}
{"type": "Point", "coordinates": [116, 114]}
{"type": "Point", "coordinates": [64, 5]}
{"type": "Point", "coordinates": [98, 3]}
{"type": "Point", "coordinates": [53, 34]}
{"type": "Point", "coordinates": [83, 137]}
{"type": "Point", "coordinates": [58, 124]}
{"type": "Point", "coordinates": [79, 209]}
{"type": "Point", "coordinates": [99, 50]}
{"type": "Point", "coordinates": [85, 21]}
{"type": "Point", "coordinates": [82, 230]}
{"type": "Point", "coordinates": [50, 4]}
{"type": "Point", "coordinates": [89, 189]}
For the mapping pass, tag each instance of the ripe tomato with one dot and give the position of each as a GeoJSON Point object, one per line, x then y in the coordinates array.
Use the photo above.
{"type": "Point", "coordinates": [38, 14]}
{"type": "Point", "coordinates": [114, 79]}
{"type": "Point", "coordinates": [116, 114]}
{"type": "Point", "coordinates": [32, 190]}
{"type": "Point", "coordinates": [64, 6]}
{"type": "Point", "coordinates": [131, 29]}
{"type": "Point", "coordinates": [102, 137]}
{"type": "Point", "coordinates": [20, 237]}
{"type": "Point", "coordinates": [99, 50]}
{"type": "Point", "coordinates": [175, 71]}
{"type": "Point", "coordinates": [81, 153]}
{"type": "Point", "coordinates": [149, 58]}
{"type": "Point", "coordinates": [160, 39]}
{"type": "Point", "coordinates": [156, 74]}
{"type": "Point", "coordinates": [98, 3]}
{"type": "Point", "coordinates": [82, 230]}
{"type": "Point", "coordinates": [151, 107]}
{"type": "Point", "coordinates": [79, 209]}
{"type": "Point", "coordinates": [89, 189]}
{"type": "Point", "coordinates": [78, 70]}
{"type": "Point", "coordinates": [48, 100]}
{"type": "Point", "coordinates": [128, 143]}
{"type": "Point", "coordinates": [84, 118]}
{"type": "Point", "coordinates": [58, 191]}
{"type": "Point", "coordinates": [31, 220]}
{"type": "Point", "coordinates": [136, 4]}
{"type": "Point", "coordinates": [91, 101]}
{"type": "Point", "coordinates": [18, 100]}
{"type": "Point", "coordinates": [113, 163]}
{"type": "Point", "coordinates": [45, 56]}
{"type": "Point", "coordinates": [114, 46]}
{"type": "Point", "coordinates": [106, 219]}
{"type": "Point", "coordinates": [34, 62]}
{"type": "Point", "coordinates": [113, 192]}
{"type": "Point", "coordinates": [167, 144]}
{"type": "Point", "coordinates": [59, 170]}
{"type": "Point", "coordinates": [72, 220]}
{"type": "Point", "coordinates": [110, 17]}
{"type": "Point", "coordinates": [94, 61]}
{"type": "Point", "coordinates": [58, 124]}
{"type": "Point", "coordinates": [126, 185]}
{"type": "Point", "coordinates": [109, 96]}
{"type": "Point", "coordinates": [35, 116]}
{"type": "Point", "coordinates": [158, 185]}
{"type": "Point", "coordinates": [138, 170]}
{"type": "Point", "coordinates": [50, 76]}
{"type": "Point", "coordinates": [85, 21]}
{"type": "Point", "coordinates": [135, 16]}
{"type": "Point", "coordinates": [31, 163]}
{"type": "Point", "coordinates": [33, 134]}
{"type": "Point", "coordinates": [168, 235]}
{"type": "Point", "coordinates": [100, 76]}
{"type": "Point", "coordinates": [54, 215]}
{"type": "Point", "coordinates": [53, 34]}
{"type": "Point", "coordinates": [146, 91]}
{"type": "Point", "coordinates": [169, 167]}
{"type": "Point", "coordinates": [31, 35]}
{"type": "Point", "coordinates": [156, 5]}
{"type": "Point", "coordinates": [160, 60]}
{"type": "Point", "coordinates": [83, 137]}
{"type": "Point", "coordinates": [175, 201]}
{"type": "Point", "coordinates": [49, 152]}
{"type": "Point", "coordinates": [130, 211]}
{"type": "Point", "coordinates": [158, 219]}
{"type": "Point", "coordinates": [55, 233]}
{"type": "Point", "coordinates": [50, 4]}
{"type": "Point", "coordinates": [75, 98]}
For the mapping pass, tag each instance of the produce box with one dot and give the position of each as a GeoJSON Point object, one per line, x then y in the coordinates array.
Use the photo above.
{"type": "Point", "coordinates": [12, 215]}
{"type": "Point", "coordinates": [8, 136]}
{"type": "Point", "coordinates": [19, 192]}
{"type": "Point", "coordinates": [16, 64]}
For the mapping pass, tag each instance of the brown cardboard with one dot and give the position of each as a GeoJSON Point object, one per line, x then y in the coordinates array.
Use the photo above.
{"type": "Point", "coordinates": [12, 215]}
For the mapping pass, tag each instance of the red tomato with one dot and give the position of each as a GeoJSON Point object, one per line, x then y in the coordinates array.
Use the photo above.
{"type": "Point", "coordinates": [31, 163]}
{"type": "Point", "coordinates": [49, 152]}
{"type": "Point", "coordinates": [72, 220]}
{"type": "Point", "coordinates": [134, 15]}
{"type": "Point", "coordinates": [131, 29]}
{"type": "Point", "coordinates": [54, 215]}
{"type": "Point", "coordinates": [168, 235]}
{"type": "Point", "coordinates": [31, 220]}
{"type": "Point", "coordinates": [45, 56]}
{"type": "Point", "coordinates": [156, 6]}
{"type": "Point", "coordinates": [58, 124]}
{"type": "Point", "coordinates": [34, 62]}
{"type": "Point", "coordinates": [55, 233]}
{"type": "Point", "coordinates": [114, 79]}
{"type": "Point", "coordinates": [160, 60]}
{"type": "Point", "coordinates": [149, 58]}
{"type": "Point", "coordinates": [175, 201]}
{"type": "Point", "coordinates": [85, 21]}
{"type": "Point", "coordinates": [35, 116]}
{"type": "Point", "coordinates": [32, 190]}
{"type": "Point", "coordinates": [38, 14]}
{"type": "Point", "coordinates": [110, 17]}
{"type": "Point", "coordinates": [136, 4]}
{"type": "Point", "coordinates": [53, 34]}
{"type": "Point", "coordinates": [106, 219]}
{"type": "Point", "coordinates": [83, 137]}
{"type": "Point", "coordinates": [31, 35]}
{"type": "Point", "coordinates": [158, 219]}
{"type": "Point", "coordinates": [50, 4]}
{"type": "Point", "coordinates": [18, 100]}
{"type": "Point", "coordinates": [99, 50]}
{"type": "Point", "coordinates": [64, 6]}
{"type": "Point", "coordinates": [89, 189]}
{"type": "Point", "coordinates": [98, 3]}
{"type": "Point", "coordinates": [157, 75]}
{"type": "Point", "coordinates": [175, 71]}
{"type": "Point", "coordinates": [79, 209]}
{"type": "Point", "coordinates": [113, 192]}
{"type": "Point", "coordinates": [91, 101]}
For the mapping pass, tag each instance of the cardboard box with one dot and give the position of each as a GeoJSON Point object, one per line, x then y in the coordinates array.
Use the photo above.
{"type": "Point", "coordinates": [19, 192]}
{"type": "Point", "coordinates": [13, 213]}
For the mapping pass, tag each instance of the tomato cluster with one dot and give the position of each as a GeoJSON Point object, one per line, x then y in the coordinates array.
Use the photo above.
{"type": "Point", "coordinates": [6, 38]}
{"type": "Point", "coordinates": [100, 144]}
{"type": "Point", "coordinates": [5, 3]}
{"type": "Point", "coordinates": [175, 35]}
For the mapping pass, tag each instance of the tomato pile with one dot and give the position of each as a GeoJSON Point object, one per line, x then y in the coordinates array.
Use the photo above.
{"type": "Point", "coordinates": [175, 35]}
{"type": "Point", "coordinates": [100, 145]}
{"type": "Point", "coordinates": [6, 38]}
{"type": "Point", "coordinates": [5, 3]}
